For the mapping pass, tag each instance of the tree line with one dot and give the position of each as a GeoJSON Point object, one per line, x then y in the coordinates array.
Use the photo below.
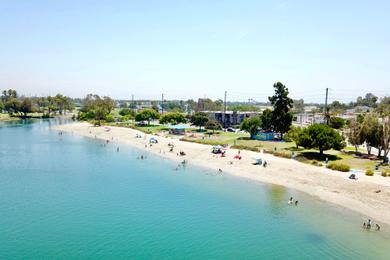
{"type": "Point", "coordinates": [21, 106]}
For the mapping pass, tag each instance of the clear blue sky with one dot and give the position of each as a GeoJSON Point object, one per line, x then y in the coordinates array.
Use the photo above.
{"type": "Point", "coordinates": [191, 49]}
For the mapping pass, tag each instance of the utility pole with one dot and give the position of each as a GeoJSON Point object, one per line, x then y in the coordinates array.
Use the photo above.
{"type": "Point", "coordinates": [132, 102]}
{"type": "Point", "coordinates": [162, 103]}
{"type": "Point", "coordinates": [326, 107]}
{"type": "Point", "coordinates": [224, 111]}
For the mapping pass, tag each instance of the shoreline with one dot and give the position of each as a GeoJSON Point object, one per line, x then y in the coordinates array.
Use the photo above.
{"type": "Point", "coordinates": [330, 186]}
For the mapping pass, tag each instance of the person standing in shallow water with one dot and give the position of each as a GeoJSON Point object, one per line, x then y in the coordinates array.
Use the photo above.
{"type": "Point", "coordinates": [377, 227]}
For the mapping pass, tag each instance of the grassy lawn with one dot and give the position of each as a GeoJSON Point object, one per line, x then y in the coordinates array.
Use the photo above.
{"type": "Point", "coordinates": [242, 141]}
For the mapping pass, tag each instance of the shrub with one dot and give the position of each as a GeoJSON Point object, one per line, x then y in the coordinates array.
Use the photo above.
{"type": "Point", "coordinates": [244, 147]}
{"type": "Point", "coordinates": [369, 172]}
{"type": "Point", "coordinates": [109, 118]}
{"type": "Point", "coordinates": [282, 154]}
{"type": "Point", "coordinates": [339, 167]}
{"type": "Point", "coordinates": [385, 173]}
{"type": "Point", "coordinates": [316, 163]}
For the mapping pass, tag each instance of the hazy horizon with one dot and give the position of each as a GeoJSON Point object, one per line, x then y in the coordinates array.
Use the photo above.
{"type": "Point", "coordinates": [190, 50]}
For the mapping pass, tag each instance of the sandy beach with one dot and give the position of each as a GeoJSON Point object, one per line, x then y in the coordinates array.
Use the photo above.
{"type": "Point", "coordinates": [361, 196]}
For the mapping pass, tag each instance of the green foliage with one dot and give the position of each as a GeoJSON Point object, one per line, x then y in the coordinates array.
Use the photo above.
{"type": "Point", "coordinates": [147, 115]}
{"type": "Point", "coordinates": [12, 105]}
{"type": "Point", "coordinates": [199, 119]}
{"type": "Point", "coordinates": [174, 106]}
{"type": "Point", "coordinates": [243, 108]}
{"type": "Point", "coordinates": [369, 172]}
{"type": "Point", "coordinates": [8, 94]}
{"type": "Point", "coordinates": [206, 104]}
{"type": "Point", "coordinates": [213, 125]}
{"type": "Point", "coordinates": [26, 106]}
{"type": "Point", "coordinates": [336, 107]}
{"type": "Point", "coordinates": [281, 115]}
{"type": "Point", "coordinates": [282, 154]}
{"type": "Point", "coordinates": [371, 131]}
{"type": "Point", "coordinates": [316, 163]}
{"type": "Point", "coordinates": [384, 106]}
{"type": "Point", "coordinates": [354, 134]}
{"type": "Point", "coordinates": [86, 115]}
{"type": "Point", "coordinates": [109, 118]}
{"type": "Point", "coordinates": [251, 125]}
{"type": "Point", "coordinates": [385, 173]}
{"type": "Point", "coordinates": [173, 118]}
{"type": "Point", "coordinates": [299, 106]}
{"type": "Point", "coordinates": [321, 137]}
{"type": "Point", "coordinates": [293, 134]}
{"type": "Point", "coordinates": [96, 106]}
{"type": "Point", "coordinates": [246, 147]}
{"type": "Point", "coordinates": [125, 111]}
{"type": "Point", "coordinates": [339, 167]}
{"type": "Point", "coordinates": [266, 120]}
{"type": "Point", "coordinates": [369, 100]}
{"type": "Point", "coordinates": [337, 122]}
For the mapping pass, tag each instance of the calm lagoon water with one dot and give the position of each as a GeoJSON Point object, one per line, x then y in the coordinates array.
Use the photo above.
{"type": "Point", "coordinates": [67, 197]}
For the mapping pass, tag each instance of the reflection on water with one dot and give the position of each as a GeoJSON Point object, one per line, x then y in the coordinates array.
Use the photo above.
{"type": "Point", "coordinates": [277, 196]}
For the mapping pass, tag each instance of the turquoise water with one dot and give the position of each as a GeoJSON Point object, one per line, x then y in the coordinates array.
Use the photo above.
{"type": "Point", "coordinates": [67, 197]}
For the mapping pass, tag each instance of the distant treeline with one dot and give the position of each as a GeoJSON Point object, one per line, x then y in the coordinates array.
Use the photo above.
{"type": "Point", "coordinates": [21, 106]}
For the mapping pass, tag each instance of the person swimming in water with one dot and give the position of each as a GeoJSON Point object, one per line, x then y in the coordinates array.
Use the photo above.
{"type": "Point", "coordinates": [290, 200]}
{"type": "Point", "coordinates": [296, 203]}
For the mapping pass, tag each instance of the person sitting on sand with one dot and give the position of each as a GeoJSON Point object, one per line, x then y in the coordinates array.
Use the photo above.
{"type": "Point", "coordinates": [290, 200]}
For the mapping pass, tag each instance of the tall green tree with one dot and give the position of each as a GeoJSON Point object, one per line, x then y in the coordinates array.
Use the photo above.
{"type": "Point", "coordinates": [293, 134]}
{"type": "Point", "coordinates": [321, 137]}
{"type": "Point", "coordinates": [26, 106]}
{"type": "Point", "coordinates": [386, 136]}
{"type": "Point", "coordinates": [12, 105]}
{"type": "Point", "coordinates": [267, 120]}
{"type": "Point", "coordinates": [299, 105]}
{"type": "Point", "coordinates": [337, 122]}
{"type": "Point", "coordinates": [354, 134]}
{"type": "Point", "coordinates": [281, 115]}
{"type": "Point", "coordinates": [213, 125]}
{"type": "Point", "coordinates": [371, 132]}
{"type": "Point", "coordinates": [147, 115]}
{"type": "Point", "coordinates": [173, 118]}
{"type": "Point", "coordinates": [199, 119]}
{"type": "Point", "coordinates": [251, 125]}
